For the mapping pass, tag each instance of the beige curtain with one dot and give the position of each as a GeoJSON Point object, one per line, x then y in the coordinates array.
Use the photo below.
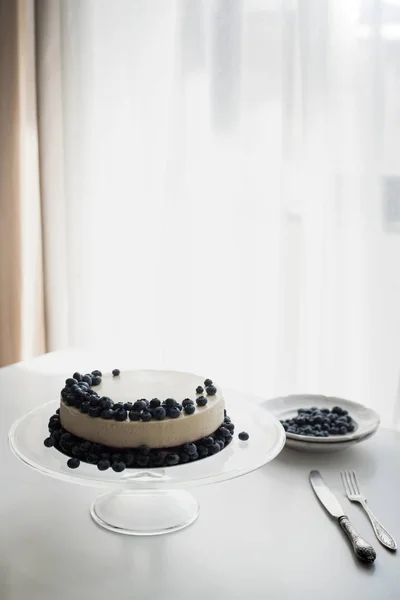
{"type": "Point", "coordinates": [22, 322]}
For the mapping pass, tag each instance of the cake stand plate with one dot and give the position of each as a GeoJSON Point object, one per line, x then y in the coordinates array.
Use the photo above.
{"type": "Point", "coordinates": [153, 501]}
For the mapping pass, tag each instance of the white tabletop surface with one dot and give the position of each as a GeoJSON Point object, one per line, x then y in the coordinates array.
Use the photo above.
{"type": "Point", "coordinates": [263, 536]}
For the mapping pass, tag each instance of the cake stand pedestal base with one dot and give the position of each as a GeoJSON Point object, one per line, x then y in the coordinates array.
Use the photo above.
{"type": "Point", "coordinates": [145, 512]}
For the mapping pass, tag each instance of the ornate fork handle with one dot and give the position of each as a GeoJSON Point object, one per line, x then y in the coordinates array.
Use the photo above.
{"type": "Point", "coordinates": [361, 547]}
{"type": "Point", "coordinates": [381, 533]}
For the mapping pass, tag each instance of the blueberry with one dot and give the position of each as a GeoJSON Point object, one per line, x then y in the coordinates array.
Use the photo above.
{"type": "Point", "coordinates": [116, 372]}
{"type": "Point", "coordinates": [76, 451]}
{"type": "Point", "coordinates": [145, 450]}
{"type": "Point", "coordinates": [207, 441]}
{"type": "Point", "coordinates": [337, 410]}
{"type": "Point", "coordinates": [129, 458]}
{"type": "Point", "coordinates": [317, 427]}
{"type": "Point", "coordinates": [142, 461]}
{"type": "Point", "coordinates": [194, 457]}
{"type": "Point", "coordinates": [134, 415]}
{"type": "Point", "coordinates": [96, 380]}
{"type": "Point", "coordinates": [342, 430]}
{"type": "Point", "coordinates": [71, 381]}
{"type": "Point", "coordinates": [300, 421]}
{"type": "Point", "coordinates": [230, 426]}
{"type": "Point", "coordinates": [169, 402]}
{"type": "Point", "coordinates": [159, 413]}
{"type": "Point", "coordinates": [85, 407]}
{"type": "Point", "coordinates": [103, 464]}
{"type": "Point", "coordinates": [201, 401]}
{"type": "Point", "coordinates": [107, 414]}
{"type": "Point", "coordinates": [145, 416]}
{"type": "Point", "coordinates": [334, 430]}
{"type": "Point", "coordinates": [202, 451]}
{"type": "Point", "coordinates": [284, 425]}
{"type": "Point", "coordinates": [73, 463]}
{"type": "Point", "coordinates": [158, 459]}
{"type": "Point", "coordinates": [319, 434]}
{"type": "Point", "coordinates": [211, 390]}
{"type": "Point", "coordinates": [118, 405]}
{"type": "Point", "coordinates": [87, 378]}
{"type": "Point", "coordinates": [290, 429]}
{"type": "Point", "coordinates": [325, 433]}
{"type": "Point", "coordinates": [313, 409]}
{"type": "Point", "coordinates": [224, 432]}
{"type": "Point", "coordinates": [155, 403]}
{"type": "Point", "coordinates": [139, 405]}
{"type": "Point", "coordinates": [49, 442]}
{"type": "Point", "coordinates": [92, 458]}
{"type": "Point", "coordinates": [214, 448]}
{"type": "Point", "coordinates": [94, 411]}
{"type": "Point", "coordinates": [116, 457]}
{"type": "Point", "coordinates": [326, 427]}
{"type": "Point", "coordinates": [344, 412]}
{"type": "Point", "coordinates": [208, 382]}
{"type": "Point", "coordinates": [84, 385]}
{"type": "Point", "coordinates": [97, 373]}
{"type": "Point", "coordinates": [56, 435]}
{"type": "Point", "coordinates": [118, 467]}
{"type": "Point", "coordinates": [186, 402]}
{"type": "Point", "coordinates": [325, 411]}
{"type": "Point", "coordinates": [86, 446]}
{"type": "Point", "coordinates": [120, 414]}
{"type": "Point", "coordinates": [77, 376]}
{"type": "Point", "coordinates": [108, 403]}
{"type": "Point", "coordinates": [244, 436]}
{"type": "Point", "coordinates": [350, 427]}
{"type": "Point", "coordinates": [189, 409]}
{"type": "Point", "coordinates": [184, 458]}
{"type": "Point", "coordinates": [199, 389]}
{"type": "Point", "coordinates": [94, 401]}
{"type": "Point", "coordinates": [179, 406]}
{"type": "Point", "coordinates": [317, 420]}
{"type": "Point", "coordinates": [172, 459]}
{"type": "Point", "coordinates": [173, 412]}
{"type": "Point", "coordinates": [332, 417]}
{"type": "Point", "coordinates": [228, 439]}
{"type": "Point", "coordinates": [190, 448]}
{"type": "Point", "coordinates": [64, 392]}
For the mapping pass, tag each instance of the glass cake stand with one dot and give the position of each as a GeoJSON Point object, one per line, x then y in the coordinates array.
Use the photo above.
{"type": "Point", "coordinates": [152, 501]}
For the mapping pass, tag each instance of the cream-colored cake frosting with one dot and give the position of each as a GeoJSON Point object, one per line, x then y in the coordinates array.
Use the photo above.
{"type": "Point", "coordinates": [133, 385]}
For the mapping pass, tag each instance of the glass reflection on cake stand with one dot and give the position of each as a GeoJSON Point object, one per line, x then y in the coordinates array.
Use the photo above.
{"type": "Point", "coordinates": [152, 501]}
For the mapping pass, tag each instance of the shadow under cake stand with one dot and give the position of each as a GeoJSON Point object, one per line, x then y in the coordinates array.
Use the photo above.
{"type": "Point", "coordinates": [152, 501]}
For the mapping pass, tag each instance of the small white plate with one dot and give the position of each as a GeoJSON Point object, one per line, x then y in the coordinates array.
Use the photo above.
{"type": "Point", "coordinates": [286, 407]}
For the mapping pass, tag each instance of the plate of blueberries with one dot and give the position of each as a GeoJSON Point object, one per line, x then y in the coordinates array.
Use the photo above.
{"type": "Point", "coordinates": [322, 423]}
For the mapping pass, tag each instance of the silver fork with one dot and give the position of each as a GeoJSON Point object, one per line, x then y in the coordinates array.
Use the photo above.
{"type": "Point", "coordinates": [352, 490]}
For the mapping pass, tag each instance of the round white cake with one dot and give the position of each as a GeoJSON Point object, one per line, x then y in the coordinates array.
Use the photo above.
{"type": "Point", "coordinates": [132, 386]}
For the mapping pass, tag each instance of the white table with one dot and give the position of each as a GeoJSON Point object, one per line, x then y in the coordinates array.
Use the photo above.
{"type": "Point", "coordinates": [263, 536]}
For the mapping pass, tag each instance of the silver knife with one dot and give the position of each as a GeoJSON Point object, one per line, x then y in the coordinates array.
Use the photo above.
{"type": "Point", "coordinates": [363, 550]}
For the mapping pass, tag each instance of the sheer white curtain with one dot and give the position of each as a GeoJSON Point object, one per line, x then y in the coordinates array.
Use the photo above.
{"type": "Point", "coordinates": [224, 194]}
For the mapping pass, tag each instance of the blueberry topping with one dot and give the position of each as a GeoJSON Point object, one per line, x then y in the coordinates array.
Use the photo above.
{"type": "Point", "coordinates": [211, 390]}
{"type": "Point", "coordinates": [199, 389]}
{"type": "Point", "coordinates": [134, 415]}
{"type": "Point", "coordinates": [208, 382]}
{"type": "Point", "coordinates": [190, 448]}
{"type": "Point", "coordinates": [169, 402]}
{"type": "Point", "coordinates": [201, 401]}
{"type": "Point", "coordinates": [116, 372]}
{"type": "Point", "coordinates": [94, 411]}
{"type": "Point", "coordinates": [142, 460]}
{"type": "Point", "coordinates": [244, 436]}
{"type": "Point", "coordinates": [189, 409]}
{"type": "Point", "coordinates": [103, 464]}
{"type": "Point", "coordinates": [107, 413]}
{"type": "Point", "coordinates": [172, 459]}
{"type": "Point", "coordinates": [155, 403]}
{"type": "Point", "coordinates": [159, 413]}
{"type": "Point", "coordinates": [173, 412]}
{"type": "Point", "coordinates": [145, 416]}
{"type": "Point", "coordinates": [85, 407]}
{"type": "Point", "coordinates": [49, 442]}
{"type": "Point", "coordinates": [118, 467]}
{"type": "Point", "coordinates": [73, 463]}
{"type": "Point", "coordinates": [120, 414]}
{"type": "Point", "coordinates": [139, 405]}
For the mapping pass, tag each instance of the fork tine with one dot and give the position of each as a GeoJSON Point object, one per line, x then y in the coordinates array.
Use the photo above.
{"type": "Point", "coordinates": [349, 483]}
{"type": "Point", "coordinates": [344, 481]}
{"type": "Point", "coordinates": [355, 482]}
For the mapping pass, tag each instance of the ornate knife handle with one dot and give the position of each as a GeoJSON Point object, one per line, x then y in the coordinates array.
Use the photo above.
{"type": "Point", "coordinates": [363, 550]}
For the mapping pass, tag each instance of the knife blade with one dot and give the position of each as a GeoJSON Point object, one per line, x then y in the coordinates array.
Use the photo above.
{"type": "Point", "coordinates": [363, 550]}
